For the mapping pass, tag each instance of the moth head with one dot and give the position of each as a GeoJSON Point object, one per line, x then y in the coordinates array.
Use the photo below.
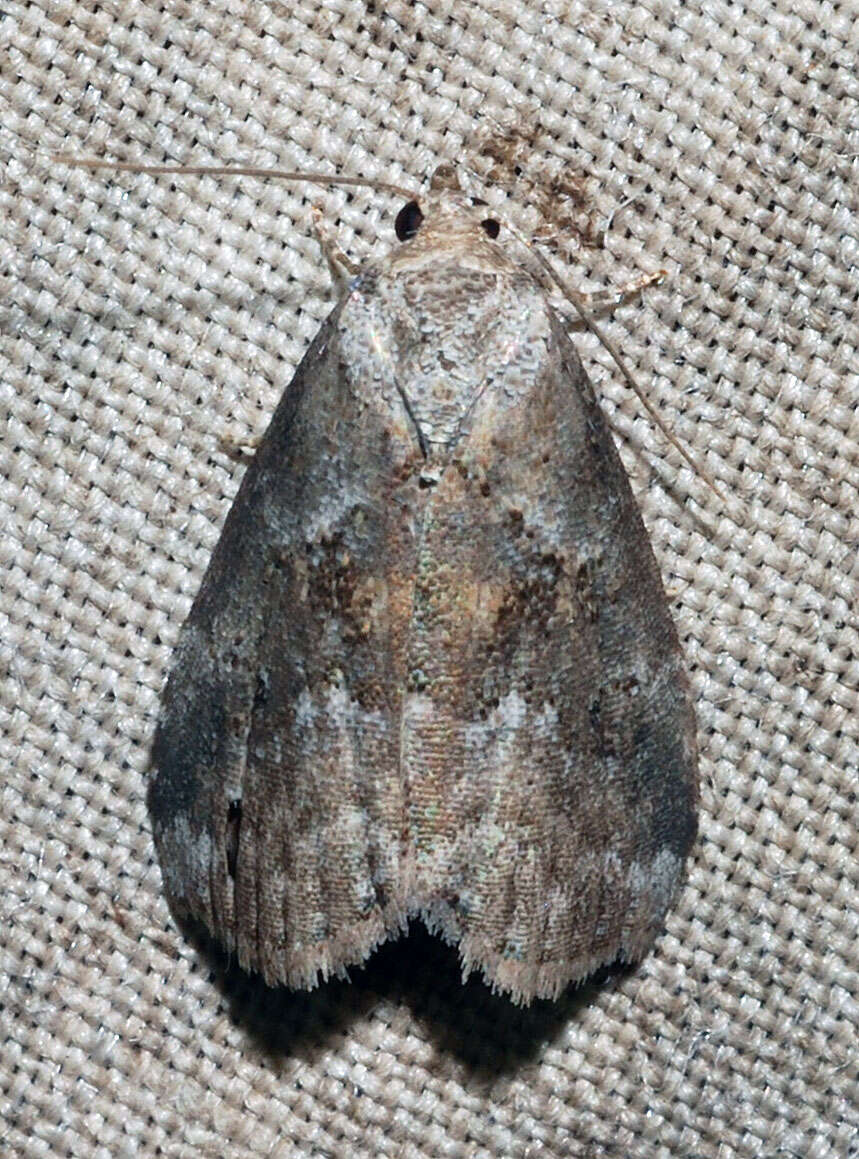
{"type": "Point", "coordinates": [445, 210]}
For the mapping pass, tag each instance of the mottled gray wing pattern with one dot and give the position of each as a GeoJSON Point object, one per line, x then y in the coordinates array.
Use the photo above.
{"type": "Point", "coordinates": [549, 751]}
{"type": "Point", "coordinates": [276, 797]}
{"type": "Point", "coordinates": [431, 668]}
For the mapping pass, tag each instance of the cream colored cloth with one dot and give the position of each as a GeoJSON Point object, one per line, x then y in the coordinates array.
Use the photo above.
{"type": "Point", "coordinates": [146, 323]}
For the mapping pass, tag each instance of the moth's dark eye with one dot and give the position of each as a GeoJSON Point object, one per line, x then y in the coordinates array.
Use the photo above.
{"type": "Point", "coordinates": [408, 221]}
{"type": "Point", "coordinates": [490, 227]}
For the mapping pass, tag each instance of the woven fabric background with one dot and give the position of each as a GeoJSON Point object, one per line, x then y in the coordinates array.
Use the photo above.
{"type": "Point", "coordinates": [146, 325]}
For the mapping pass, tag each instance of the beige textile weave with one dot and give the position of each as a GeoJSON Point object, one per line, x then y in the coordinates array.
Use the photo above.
{"type": "Point", "coordinates": [148, 325]}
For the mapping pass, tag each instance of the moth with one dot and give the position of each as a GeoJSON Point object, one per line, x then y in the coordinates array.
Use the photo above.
{"type": "Point", "coordinates": [431, 672]}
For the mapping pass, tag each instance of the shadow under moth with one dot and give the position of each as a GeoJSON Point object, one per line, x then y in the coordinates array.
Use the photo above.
{"type": "Point", "coordinates": [431, 670]}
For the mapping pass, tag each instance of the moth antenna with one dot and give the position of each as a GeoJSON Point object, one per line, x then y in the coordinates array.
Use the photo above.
{"type": "Point", "coordinates": [234, 171]}
{"type": "Point", "coordinates": [575, 301]}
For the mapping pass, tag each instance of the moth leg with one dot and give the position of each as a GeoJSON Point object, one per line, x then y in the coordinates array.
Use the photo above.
{"type": "Point", "coordinates": [342, 267]}
{"type": "Point", "coordinates": [604, 301]}
{"type": "Point", "coordinates": [238, 448]}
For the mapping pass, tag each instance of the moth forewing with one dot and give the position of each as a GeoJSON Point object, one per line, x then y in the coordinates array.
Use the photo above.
{"type": "Point", "coordinates": [431, 670]}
